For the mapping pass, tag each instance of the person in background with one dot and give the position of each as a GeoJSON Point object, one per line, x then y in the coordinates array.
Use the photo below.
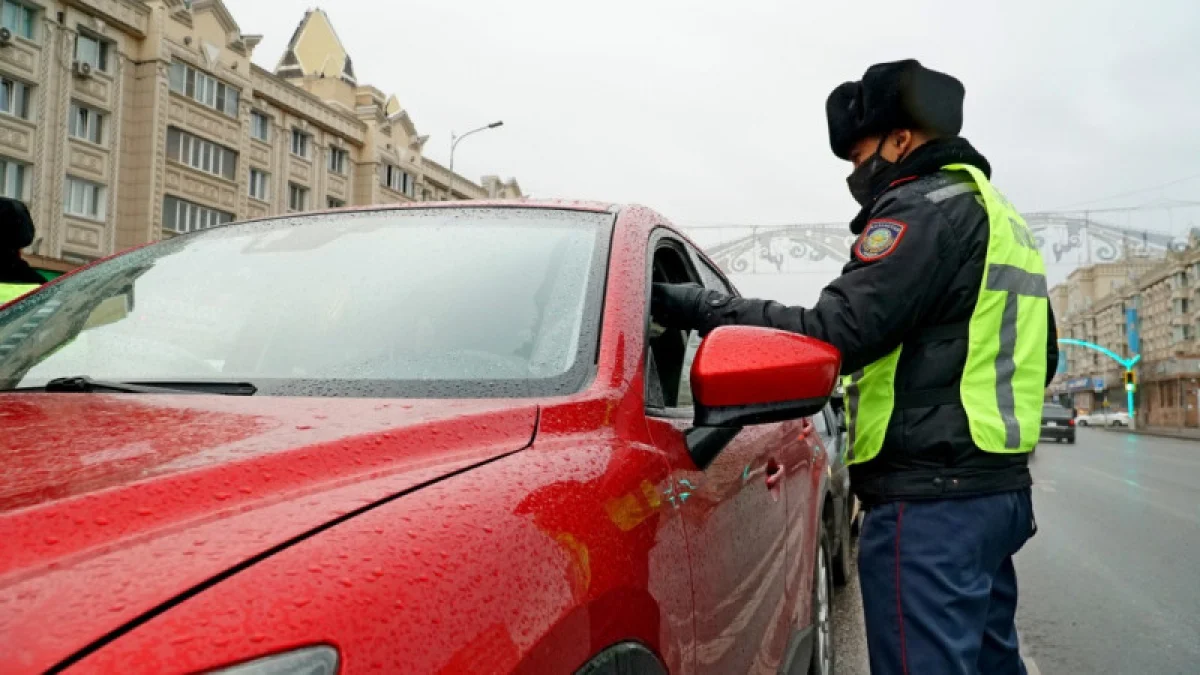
{"type": "Point", "coordinates": [948, 343]}
{"type": "Point", "coordinates": [16, 232]}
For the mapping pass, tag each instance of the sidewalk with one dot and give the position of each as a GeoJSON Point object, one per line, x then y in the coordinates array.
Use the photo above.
{"type": "Point", "coordinates": [1187, 434]}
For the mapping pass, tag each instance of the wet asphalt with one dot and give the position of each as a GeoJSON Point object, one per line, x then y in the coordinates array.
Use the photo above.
{"type": "Point", "coordinates": [1111, 582]}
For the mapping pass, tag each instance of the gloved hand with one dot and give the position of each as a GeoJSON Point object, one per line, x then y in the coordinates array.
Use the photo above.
{"type": "Point", "coordinates": [684, 306]}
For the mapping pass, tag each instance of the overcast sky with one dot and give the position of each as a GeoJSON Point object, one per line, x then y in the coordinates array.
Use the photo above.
{"type": "Point", "coordinates": [713, 112]}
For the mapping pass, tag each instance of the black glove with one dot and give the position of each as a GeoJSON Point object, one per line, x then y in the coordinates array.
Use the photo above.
{"type": "Point", "coordinates": [685, 306]}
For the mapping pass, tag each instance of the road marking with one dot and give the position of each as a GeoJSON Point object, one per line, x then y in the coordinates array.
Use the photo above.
{"type": "Point", "coordinates": [1118, 479]}
{"type": "Point", "coordinates": [1031, 667]}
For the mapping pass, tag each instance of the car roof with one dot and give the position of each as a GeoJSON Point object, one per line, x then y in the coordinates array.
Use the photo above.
{"type": "Point", "coordinates": [547, 204]}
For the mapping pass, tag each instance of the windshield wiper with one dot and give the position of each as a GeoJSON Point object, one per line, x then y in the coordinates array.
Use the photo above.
{"type": "Point", "coordinates": [86, 385]}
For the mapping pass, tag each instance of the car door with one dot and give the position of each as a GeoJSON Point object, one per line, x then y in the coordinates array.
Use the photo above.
{"type": "Point", "coordinates": [734, 511]}
{"type": "Point", "coordinates": [798, 443]}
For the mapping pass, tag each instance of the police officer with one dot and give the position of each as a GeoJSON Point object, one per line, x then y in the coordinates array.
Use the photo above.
{"type": "Point", "coordinates": [16, 232]}
{"type": "Point", "coordinates": [948, 343]}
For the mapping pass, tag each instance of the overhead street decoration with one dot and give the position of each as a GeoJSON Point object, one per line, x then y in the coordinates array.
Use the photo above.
{"type": "Point", "coordinates": [785, 249]}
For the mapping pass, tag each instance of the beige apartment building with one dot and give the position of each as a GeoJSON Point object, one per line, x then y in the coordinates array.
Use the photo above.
{"type": "Point", "coordinates": [1165, 294]}
{"type": "Point", "coordinates": [126, 121]}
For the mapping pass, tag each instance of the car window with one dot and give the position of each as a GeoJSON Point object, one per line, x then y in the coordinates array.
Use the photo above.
{"type": "Point", "coordinates": [710, 277]}
{"type": "Point", "coordinates": [670, 352]}
{"type": "Point", "coordinates": [821, 423]}
{"type": "Point", "coordinates": [468, 302]}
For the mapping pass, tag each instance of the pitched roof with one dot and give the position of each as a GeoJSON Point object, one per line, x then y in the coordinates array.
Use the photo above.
{"type": "Point", "coordinates": [316, 49]}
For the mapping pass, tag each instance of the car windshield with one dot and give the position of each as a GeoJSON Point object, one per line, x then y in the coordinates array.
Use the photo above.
{"type": "Point", "coordinates": [475, 302]}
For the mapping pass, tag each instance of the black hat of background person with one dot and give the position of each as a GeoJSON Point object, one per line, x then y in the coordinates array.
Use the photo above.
{"type": "Point", "coordinates": [16, 225]}
{"type": "Point", "coordinates": [896, 95]}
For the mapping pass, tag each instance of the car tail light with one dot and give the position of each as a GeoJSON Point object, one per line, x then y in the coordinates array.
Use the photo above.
{"type": "Point", "coordinates": [1071, 422]}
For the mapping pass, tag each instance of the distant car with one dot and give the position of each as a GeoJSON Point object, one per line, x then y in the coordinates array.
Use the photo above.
{"type": "Point", "coordinates": [831, 427]}
{"type": "Point", "coordinates": [1105, 418]}
{"type": "Point", "coordinates": [1058, 423]}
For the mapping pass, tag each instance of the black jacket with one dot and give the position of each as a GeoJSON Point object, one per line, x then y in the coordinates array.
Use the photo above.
{"type": "Point", "coordinates": [929, 280]}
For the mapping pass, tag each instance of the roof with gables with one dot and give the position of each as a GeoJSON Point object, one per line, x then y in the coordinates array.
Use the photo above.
{"type": "Point", "coordinates": [316, 50]}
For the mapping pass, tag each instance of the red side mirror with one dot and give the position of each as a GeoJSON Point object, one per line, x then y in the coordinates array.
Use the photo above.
{"type": "Point", "coordinates": [744, 375]}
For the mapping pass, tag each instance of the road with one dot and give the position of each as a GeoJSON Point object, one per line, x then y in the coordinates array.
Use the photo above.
{"type": "Point", "coordinates": [1111, 582]}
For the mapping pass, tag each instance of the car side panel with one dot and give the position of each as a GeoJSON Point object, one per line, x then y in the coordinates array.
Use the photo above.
{"type": "Point", "coordinates": [531, 564]}
{"type": "Point", "coordinates": [736, 527]}
{"type": "Point", "coordinates": [805, 495]}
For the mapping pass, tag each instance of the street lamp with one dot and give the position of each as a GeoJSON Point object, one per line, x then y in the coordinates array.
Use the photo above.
{"type": "Point", "coordinates": [455, 140]}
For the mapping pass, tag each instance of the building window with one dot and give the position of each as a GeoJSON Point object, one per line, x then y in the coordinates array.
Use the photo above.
{"type": "Point", "coordinates": [83, 198]}
{"type": "Point", "coordinates": [301, 142]}
{"type": "Point", "coordinates": [18, 18]}
{"type": "Point", "coordinates": [399, 180]}
{"type": "Point", "coordinates": [92, 51]}
{"type": "Point", "coordinates": [204, 88]}
{"type": "Point", "coordinates": [200, 154]}
{"type": "Point", "coordinates": [87, 123]}
{"type": "Point", "coordinates": [334, 202]}
{"type": "Point", "coordinates": [260, 184]}
{"type": "Point", "coordinates": [260, 126]}
{"type": "Point", "coordinates": [12, 179]}
{"type": "Point", "coordinates": [297, 197]}
{"type": "Point", "coordinates": [337, 160]}
{"type": "Point", "coordinates": [14, 98]}
{"type": "Point", "coordinates": [182, 216]}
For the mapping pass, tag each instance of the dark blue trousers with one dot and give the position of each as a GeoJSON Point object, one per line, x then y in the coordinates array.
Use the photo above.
{"type": "Point", "coordinates": [938, 584]}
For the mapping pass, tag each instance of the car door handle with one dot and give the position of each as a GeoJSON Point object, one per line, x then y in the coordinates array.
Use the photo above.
{"type": "Point", "coordinates": [774, 474]}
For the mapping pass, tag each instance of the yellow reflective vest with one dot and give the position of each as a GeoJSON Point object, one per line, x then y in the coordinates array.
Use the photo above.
{"type": "Point", "coordinates": [10, 292]}
{"type": "Point", "coordinates": [1003, 380]}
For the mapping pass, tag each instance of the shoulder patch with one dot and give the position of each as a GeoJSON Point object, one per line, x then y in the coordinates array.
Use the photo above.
{"type": "Point", "coordinates": [879, 239]}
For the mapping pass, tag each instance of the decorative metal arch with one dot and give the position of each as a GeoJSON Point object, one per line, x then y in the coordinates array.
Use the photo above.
{"type": "Point", "coordinates": [1056, 233]}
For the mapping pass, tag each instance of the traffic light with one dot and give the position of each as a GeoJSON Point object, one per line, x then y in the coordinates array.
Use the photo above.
{"type": "Point", "coordinates": [1130, 380]}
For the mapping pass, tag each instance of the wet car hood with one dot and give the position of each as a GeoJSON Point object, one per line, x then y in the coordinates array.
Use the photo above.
{"type": "Point", "coordinates": [112, 506]}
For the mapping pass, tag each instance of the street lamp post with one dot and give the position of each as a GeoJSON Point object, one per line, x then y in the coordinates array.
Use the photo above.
{"type": "Point", "coordinates": [455, 140]}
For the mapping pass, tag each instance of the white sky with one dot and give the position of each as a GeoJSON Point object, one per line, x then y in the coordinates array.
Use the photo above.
{"type": "Point", "coordinates": [713, 112]}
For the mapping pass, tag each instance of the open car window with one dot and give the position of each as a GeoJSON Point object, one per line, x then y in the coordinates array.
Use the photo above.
{"type": "Point", "coordinates": [669, 352]}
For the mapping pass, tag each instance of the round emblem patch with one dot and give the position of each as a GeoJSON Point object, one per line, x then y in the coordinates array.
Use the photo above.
{"type": "Point", "coordinates": [879, 239]}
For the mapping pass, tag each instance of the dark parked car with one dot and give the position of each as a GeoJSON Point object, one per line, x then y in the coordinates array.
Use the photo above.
{"type": "Point", "coordinates": [1058, 423]}
{"type": "Point", "coordinates": [831, 426]}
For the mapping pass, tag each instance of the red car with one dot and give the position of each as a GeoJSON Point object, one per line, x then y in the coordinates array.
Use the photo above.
{"type": "Point", "coordinates": [439, 439]}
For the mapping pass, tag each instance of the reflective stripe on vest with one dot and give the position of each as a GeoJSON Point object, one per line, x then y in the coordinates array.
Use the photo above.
{"type": "Point", "coordinates": [1003, 380]}
{"type": "Point", "coordinates": [10, 292]}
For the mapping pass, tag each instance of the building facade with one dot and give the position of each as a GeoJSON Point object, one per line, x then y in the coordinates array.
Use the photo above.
{"type": "Point", "coordinates": [1140, 306]}
{"type": "Point", "coordinates": [126, 121]}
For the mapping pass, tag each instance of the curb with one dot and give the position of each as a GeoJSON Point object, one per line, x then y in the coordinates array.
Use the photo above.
{"type": "Point", "coordinates": [1166, 433]}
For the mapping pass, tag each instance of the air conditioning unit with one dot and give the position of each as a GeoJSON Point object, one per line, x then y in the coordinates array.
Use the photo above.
{"type": "Point", "coordinates": [82, 69]}
{"type": "Point", "coordinates": [6, 37]}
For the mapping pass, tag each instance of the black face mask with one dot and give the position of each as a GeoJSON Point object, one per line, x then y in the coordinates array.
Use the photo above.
{"type": "Point", "coordinates": [862, 180]}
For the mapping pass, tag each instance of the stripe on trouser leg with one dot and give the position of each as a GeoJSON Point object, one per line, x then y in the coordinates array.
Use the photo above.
{"type": "Point", "coordinates": [899, 595]}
